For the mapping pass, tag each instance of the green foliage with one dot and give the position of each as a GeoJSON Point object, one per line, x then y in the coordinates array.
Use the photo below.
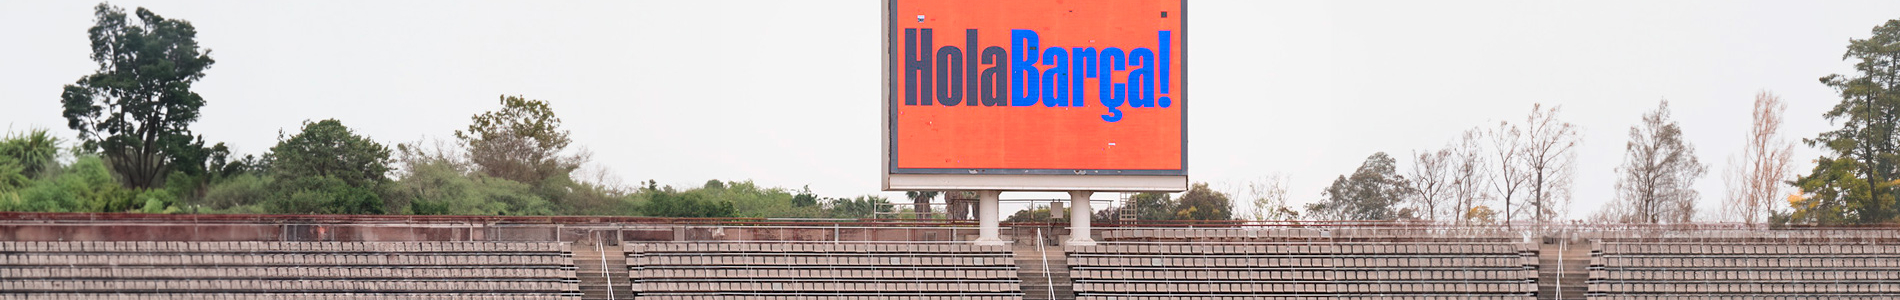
{"type": "Point", "coordinates": [1034, 214]}
{"type": "Point", "coordinates": [1203, 203]}
{"type": "Point", "coordinates": [805, 199]}
{"type": "Point", "coordinates": [12, 175]}
{"type": "Point", "coordinates": [1154, 206]}
{"type": "Point", "coordinates": [751, 201]}
{"type": "Point", "coordinates": [322, 195]}
{"type": "Point", "coordinates": [327, 169]}
{"type": "Point", "coordinates": [33, 152]}
{"type": "Point", "coordinates": [860, 207]}
{"type": "Point", "coordinates": [441, 187]}
{"type": "Point", "coordinates": [668, 203]}
{"type": "Point", "coordinates": [521, 142]}
{"type": "Point", "coordinates": [1199, 203]}
{"type": "Point", "coordinates": [920, 201]}
{"type": "Point", "coordinates": [327, 148]}
{"type": "Point", "coordinates": [137, 107]}
{"type": "Point", "coordinates": [234, 191]}
{"type": "Point", "coordinates": [1855, 183]}
{"type": "Point", "coordinates": [1371, 193]}
{"type": "Point", "coordinates": [155, 201]}
{"type": "Point", "coordinates": [84, 186]}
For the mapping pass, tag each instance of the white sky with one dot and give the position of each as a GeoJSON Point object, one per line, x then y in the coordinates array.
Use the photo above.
{"type": "Point", "coordinates": [786, 92]}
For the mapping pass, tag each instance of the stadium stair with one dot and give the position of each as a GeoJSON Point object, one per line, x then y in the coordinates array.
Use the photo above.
{"type": "Point", "coordinates": [601, 263]}
{"type": "Point", "coordinates": [1054, 285]}
{"type": "Point", "coordinates": [1566, 263]}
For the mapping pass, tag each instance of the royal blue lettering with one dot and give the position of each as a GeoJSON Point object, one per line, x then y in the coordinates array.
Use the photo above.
{"type": "Point", "coordinates": [1055, 81]}
{"type": "Point", "coordinates": [1083, 62]}
{"type": "Point", "coordinates": [1167, 41]}
{"type": "Point", "coordinates": [1023, 88]}
{"type": "Point", "coordinates": [1111, 94]}
{"type": "Point", "coordinates": [1141, 81]}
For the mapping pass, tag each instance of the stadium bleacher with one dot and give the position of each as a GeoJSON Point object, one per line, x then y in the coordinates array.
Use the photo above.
{"type": "Point", "coordinates": [1745, 268]}
{"type": "Point", "coordinates": [286, 270]}
{"type": "Point", "coordinates": [1248, 264]}
{"type": "Point", "coordinates": [822, 271]}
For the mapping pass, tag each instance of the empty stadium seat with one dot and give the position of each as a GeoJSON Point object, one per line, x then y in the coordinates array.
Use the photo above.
{"type": "Point", "coordinates": [1752, 268]}
{"type": "Point", "coordinates": [1301, 264]}
{"type": "Point", "coordinates": [286, 270]}
{"type": "Point", "coordinates": [821, 271]}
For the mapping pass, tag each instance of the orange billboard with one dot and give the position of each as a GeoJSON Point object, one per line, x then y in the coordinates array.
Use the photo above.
{"type": "Point", "coordinates": [1037, 87]}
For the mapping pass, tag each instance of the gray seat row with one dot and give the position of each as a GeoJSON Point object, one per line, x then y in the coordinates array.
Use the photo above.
{"type": "Point", "coordinates": [822, 271]}
{"type": "Point", "coordinates": [1745, 269]}
{"type": "Point", "coordinates": [1431, 269]}
{"type": "Point", "coordinates": [286, 270]}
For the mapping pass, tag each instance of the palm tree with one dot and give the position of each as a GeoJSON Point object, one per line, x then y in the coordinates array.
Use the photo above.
{"type": "Point", "coordinates": [921, 199]}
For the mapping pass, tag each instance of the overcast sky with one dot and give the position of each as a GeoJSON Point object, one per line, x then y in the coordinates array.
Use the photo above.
{"type": "Point", "coordinates": [786, 92]}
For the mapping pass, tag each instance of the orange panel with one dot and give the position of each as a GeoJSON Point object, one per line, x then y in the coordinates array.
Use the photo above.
{"type": "Point", "coordinates": [1012, 101]}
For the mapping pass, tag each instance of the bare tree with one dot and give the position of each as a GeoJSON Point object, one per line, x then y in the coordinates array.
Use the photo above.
{"type": "Point", "coordinates": [1468, 173]}
{"type": "Point", "coordinates": [1755, 178]}
{"type": "Point", "coordinates": [1548, 162]}
{"type": "Point", "coordinates": [1658, 174]}
{"type": "Point", "coordinates": [1269, 199]}
{"type": "Point", "coordinates": [1507, 178]}
{"type": "Point", "coordinates": [1432, 183]}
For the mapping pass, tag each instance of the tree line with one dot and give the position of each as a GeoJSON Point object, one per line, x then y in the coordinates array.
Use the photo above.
{"type": "Point", "coordinates": [1521, 171]}
{"type": "Point", "coordinates": [135, 152]}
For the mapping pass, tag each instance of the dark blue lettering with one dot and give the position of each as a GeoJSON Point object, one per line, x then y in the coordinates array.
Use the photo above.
{"type": "Point", "coordinates": [916, 67]}
{"type": "Point", "coordinates": [995, 77]}
{"type": "Point", "coordinates": [949, 75]}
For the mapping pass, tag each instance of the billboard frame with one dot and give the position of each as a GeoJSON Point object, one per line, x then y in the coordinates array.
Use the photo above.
{"type": "Point", "coordinates": [1128, 180]}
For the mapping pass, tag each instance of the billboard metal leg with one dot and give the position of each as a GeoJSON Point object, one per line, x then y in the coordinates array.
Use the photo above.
{"type": "Point", "coordinates": [986, 217]}
{"type": "Point", "coordinates": [1079, 214]}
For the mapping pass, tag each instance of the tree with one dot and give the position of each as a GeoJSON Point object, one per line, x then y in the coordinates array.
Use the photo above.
{"type": "Point", "coordinates": [326, 168]}
{"type": "Point", "coordinates": [805, 198]}
{"type": "Point", "coordinates": [687, 205]}
{"type": "Point", "coordinates": [85, 186]}
{"type": "Point", "coordinates": [138, 107]}
{"type": "Point", "coordinates": [436, 183]}
{"type": "Point", "coordinates": [1754, 180]}
{"type": "Point", "coordinates": [1855, 183]}
{"type": "Point", "coordinates": [1508, 176]}
{"type": "Point", "coordinates": [1154, 206]}
{"type": "Point", "coordinates": [1657, 179]}
{"type": "Point", "coordinates": [1469, 175]}
{"type": "Point", "coordinates": [1371, 193]}
{"type": "Point", "coordinates": [23, 157]}
{"type": "Point", "coordinates": [1036, 213]}
{"type": "Point", "coordinates": [860, 207]}
{"type": "Point", "coordinates": [1203, 203]}
{"type": "Point", "coordinates": [1431, 182]}
{"type": "Point", "coordinates": [1548, 159]}
{"type": "Point", "coordinates": [521, 142]}
{"type": "Point", "coordinates": [35, 151]}
{"type": "Point", "coordinates": [1270, 200]}
{"type": "Point", "coordinates": [920, 201]}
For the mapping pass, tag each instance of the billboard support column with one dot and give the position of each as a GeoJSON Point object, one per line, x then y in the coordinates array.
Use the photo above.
{"type": "Point", "coordinates": [986, 215]}
{"type": "Point", "coordinates": [1079, 214]}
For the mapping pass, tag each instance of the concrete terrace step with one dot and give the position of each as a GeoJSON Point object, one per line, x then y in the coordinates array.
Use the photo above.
{"type": "Point", "coordinates": [602, 267]}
